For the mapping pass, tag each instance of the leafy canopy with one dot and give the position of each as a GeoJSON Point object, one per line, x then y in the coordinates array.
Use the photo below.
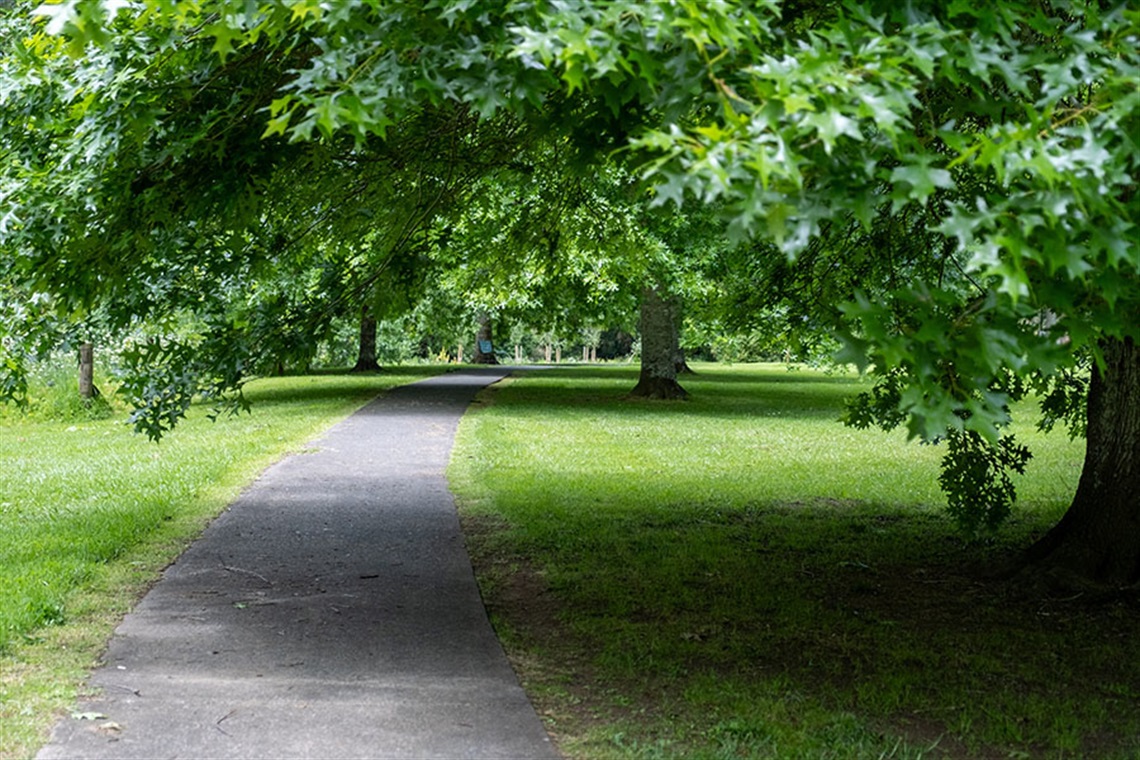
{"type": "Point", "coordinates": [999, 141]}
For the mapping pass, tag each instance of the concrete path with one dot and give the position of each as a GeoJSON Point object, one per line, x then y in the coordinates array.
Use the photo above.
{"type": "Point", "coordinates": [331, 612]}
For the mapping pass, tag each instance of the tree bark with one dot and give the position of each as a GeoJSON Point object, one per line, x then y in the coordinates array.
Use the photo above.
{"type": "Point", "coordinates": [366, 355]}
{"type": "Point", "coordinates": [87, 389]}
{"type": "Point", "coordinates": [677, 315]}
{"type": "Point", "coordinates": [658, 327]}
{"type": "Point", "coordinates": [681, 364]}
{"type": "Point", "coordinates": [1098, 539]}
{"type": "Point", "coordinates": [483, 340]}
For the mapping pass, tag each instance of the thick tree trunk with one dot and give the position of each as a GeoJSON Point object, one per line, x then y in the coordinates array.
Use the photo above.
{"type": "Point", "coordinates": [366, 355]}
{"type": "Point", "coordinates": [1098, 539]}
{"type": "Point", "coordinates": [484, 345]}
{"type": "Point", "coordinates": [681, 364]}
{"type": "Point", "coordinates": [677, 315]}
{"type": "Point", "coordinates": [87, 389]}
{"type": "Point", "coordinates": [658, 327]}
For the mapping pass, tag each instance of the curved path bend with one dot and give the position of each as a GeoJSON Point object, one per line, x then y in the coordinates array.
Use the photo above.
{"type": "Point", "coordinates": [330, 612]}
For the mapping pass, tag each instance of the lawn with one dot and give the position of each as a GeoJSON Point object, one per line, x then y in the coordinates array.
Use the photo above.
{"type": "Point", "coordinates": [741, 576]}
{"type": "Point", "coordinates": [91, 512]}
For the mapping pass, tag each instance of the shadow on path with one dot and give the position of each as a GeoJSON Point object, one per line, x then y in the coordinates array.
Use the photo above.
{"type": "Point", "coordinates": [330, 612]}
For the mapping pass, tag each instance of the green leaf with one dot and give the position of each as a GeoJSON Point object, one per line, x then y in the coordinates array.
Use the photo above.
{"type": "Point", "coordinates": [224, 35]}
{"type": "Point", "coordinates": [830, 125]}
{"type": "Point", "coordinates": [918, 181]}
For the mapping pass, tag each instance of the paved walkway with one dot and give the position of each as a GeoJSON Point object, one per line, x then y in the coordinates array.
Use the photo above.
{"type": "Point", "coordinates": [331, 612]}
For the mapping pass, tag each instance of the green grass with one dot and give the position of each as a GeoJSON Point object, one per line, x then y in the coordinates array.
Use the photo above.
{"type": "Point", "coordinates": [90, 512]}
{"type": "Point", "coordinates": [741, 576]}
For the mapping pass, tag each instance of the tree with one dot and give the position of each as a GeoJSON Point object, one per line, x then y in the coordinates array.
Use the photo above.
{"type": "Point", "coordinates": [87, 388]}
{"type": "Point", "coordinates": [366, 356]}
{"type": "Point", "coordinates": [1096, 537]}
{"type": "Point", "coordinates": [659, 349]}
{"type": "Point", "coordinates": [484, 343]}
{"type": "Point", "coordinates": [545, 246]}
{"type": "Point", "coordinates": [999, 140]}
{"type": "Point", "coordinates": [237, 230]}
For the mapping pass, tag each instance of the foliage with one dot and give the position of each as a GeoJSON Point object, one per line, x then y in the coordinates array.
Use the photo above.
{"type": "Point", "coordinates": [176, 378]}
{"type": "Point", "coordinates": [1061, 402]}
{"type": "Point", "coordinates": [53, 392]}
{"type": "Point", "coordinates": [1010, 134]}
{"type": "Point", "coordinates": [976, 478]}
{"type": "Point", "coordinates": [949, 189]}
{"type": "Point", "coordinates": [1000, 146]}
{"type": "Point", "coordinates": [975, 473]}
{"type": "Point", "coordinates": [545, 246]}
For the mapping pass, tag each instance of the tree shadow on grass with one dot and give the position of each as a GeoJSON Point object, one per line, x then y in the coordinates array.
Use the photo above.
{"type": "Point", "coordinates": [714, 394]}
{"type": "Point", "coordinates": [847, 611]}
{"type": "Point", "coordinates": [689, 602]}
{"type": "Point", "coordinates": [335, 385]}
{"type": "Point", "coordinates": [606, 385]}
{"type": "Point", "coordinates": [705, 373]}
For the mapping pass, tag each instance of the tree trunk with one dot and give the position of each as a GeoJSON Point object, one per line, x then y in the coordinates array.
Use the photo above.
{"type": "Point", "coordinates": [546, 352]}
{"type": "Point", "coordinates": [658, 350]}
{"type": "Point", "coordinates": [484, 345]}
{"type": "Point", "coordinates": [1098, 539]}
{"type": "Point", "coordinates": [366, 356]}
{"type": "Point", "coordinates": [677, 315]}
{"type": "Point", "coordinates": [681, 364]}
{"type": "Point", "coordinates": [558, 354]}
{"type": "Point", "coordinates": [87, 389]}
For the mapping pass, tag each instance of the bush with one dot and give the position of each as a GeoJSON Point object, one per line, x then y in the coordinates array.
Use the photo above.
{"type": "Point", "coordinates": [748, 347]}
